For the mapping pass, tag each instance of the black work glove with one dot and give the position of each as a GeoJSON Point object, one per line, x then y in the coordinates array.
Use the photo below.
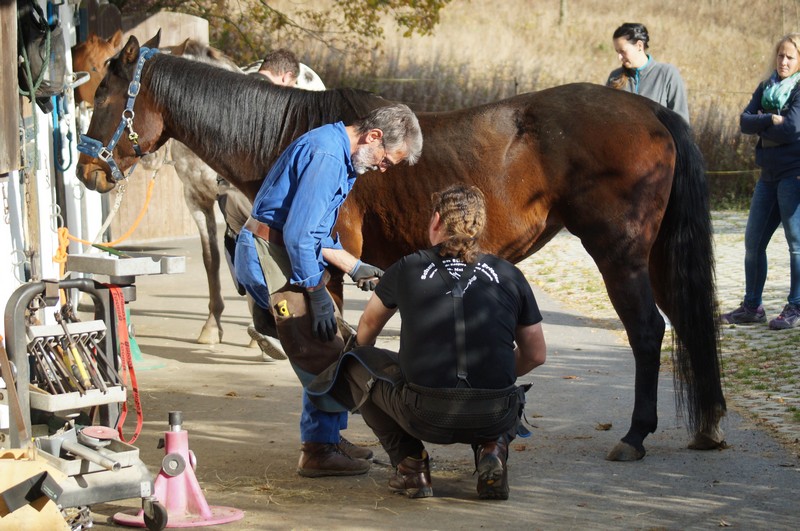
{"type": "Point", "coordinates": [323, 321]}
{"type": "Point", "coordinates": [366, 276]}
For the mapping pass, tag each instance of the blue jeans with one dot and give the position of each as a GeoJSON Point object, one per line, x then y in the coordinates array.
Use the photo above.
{"type": "Point", "coordinates": [315, 425]}
{"type": "Point", "coordinates": [320, 426]}
{"type": "Point", "coordinates": [773, 203]}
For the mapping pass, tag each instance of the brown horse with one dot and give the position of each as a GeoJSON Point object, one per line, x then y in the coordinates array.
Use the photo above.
{"type": "Point", "coordinates": [199, 181]}
{"type": "Point", "coordinates": [617, 170]}
{"type": "Point", "coordinates": [91, 56]}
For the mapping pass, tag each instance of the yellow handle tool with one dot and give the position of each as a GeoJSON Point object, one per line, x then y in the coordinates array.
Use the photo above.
{"type": "Point", "coordinates": [83, 374]}
{"type": "Point", "coordinates": [77, 362]}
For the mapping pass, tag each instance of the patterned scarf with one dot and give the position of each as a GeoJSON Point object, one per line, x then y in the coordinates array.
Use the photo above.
{"type": "Point", "coordinates": [777, 91]}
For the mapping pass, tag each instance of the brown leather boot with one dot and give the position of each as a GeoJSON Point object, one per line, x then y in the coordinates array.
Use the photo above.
{"type": "Point", "coordinates": [354, 451]}
{"type": "Point", "coordinates": [318, 459]}
{"type": "Point", "coordinates": [492, 470]}
{"type": "Point", "coordinates": [413, 477]}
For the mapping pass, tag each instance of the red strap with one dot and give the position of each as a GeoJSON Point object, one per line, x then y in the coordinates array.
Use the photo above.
{"type": "Point", "coordinates": [127, 363]}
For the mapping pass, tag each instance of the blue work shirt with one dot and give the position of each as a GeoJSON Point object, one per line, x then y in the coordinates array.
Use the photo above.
{"type": "Point", "coordinates": [301, 196]}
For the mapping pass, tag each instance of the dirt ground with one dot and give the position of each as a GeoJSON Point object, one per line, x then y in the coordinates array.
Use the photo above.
{"type": "Point", "coordinates": [242, 417]}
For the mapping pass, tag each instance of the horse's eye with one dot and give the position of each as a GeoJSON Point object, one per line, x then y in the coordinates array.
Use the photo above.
{"type": "Point", "coordinates": [100, 94]}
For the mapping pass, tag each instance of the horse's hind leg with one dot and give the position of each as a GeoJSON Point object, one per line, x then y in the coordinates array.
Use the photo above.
{"type": "Point", "coordinates": [625, 272]}
{"type": "Point", "coordinates": [630, 293]}
{"type": "Point", "coordinates": [205, 219]}
{"type": "Point", "coordinates": [200, 194]}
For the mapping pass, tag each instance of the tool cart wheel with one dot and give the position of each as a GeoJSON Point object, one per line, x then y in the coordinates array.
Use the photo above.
{"type": "Point", "coordinates": [155, 515]}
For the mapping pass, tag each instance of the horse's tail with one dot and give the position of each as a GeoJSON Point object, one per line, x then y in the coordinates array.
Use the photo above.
{"type": "Point", "coordinates": [683, 267]}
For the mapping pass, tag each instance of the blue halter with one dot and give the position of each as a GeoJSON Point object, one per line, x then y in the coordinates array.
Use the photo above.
{"type": "Point", "coordinates": [95, 148]}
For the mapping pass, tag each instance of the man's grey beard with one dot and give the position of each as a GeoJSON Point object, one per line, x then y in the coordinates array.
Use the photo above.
{"type": "Point", "coordinates": [360, 158]}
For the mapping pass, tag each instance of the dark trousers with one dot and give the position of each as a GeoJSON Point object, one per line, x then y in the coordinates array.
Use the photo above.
{"type": "Point", "coordinates": [383, 410]}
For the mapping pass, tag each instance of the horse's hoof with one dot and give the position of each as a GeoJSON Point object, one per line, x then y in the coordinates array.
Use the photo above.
{"type": "Point", "coordinates": [706, 441]}
{"type": "Point", "coordinates": [624, 452]}
{"type": "Point", "coordinates": [209, 337]}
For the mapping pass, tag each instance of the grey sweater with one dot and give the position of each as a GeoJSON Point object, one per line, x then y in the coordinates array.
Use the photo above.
{"type": "Point", "coordinates": [659, 82]}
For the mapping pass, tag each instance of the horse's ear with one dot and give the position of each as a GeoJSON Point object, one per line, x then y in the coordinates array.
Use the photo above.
{"type": "Point", "coordinates": [155, 41]}
{"type": "Point", "coordinates": [130, 52]}
{"type": "Point", "coordinates": [180, 49]}
{"type": "Point", "coordinates": [115, 39]}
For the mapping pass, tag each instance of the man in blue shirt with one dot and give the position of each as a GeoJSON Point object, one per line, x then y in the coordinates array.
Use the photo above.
{"type": "Point", "coordinates": [287, 242]}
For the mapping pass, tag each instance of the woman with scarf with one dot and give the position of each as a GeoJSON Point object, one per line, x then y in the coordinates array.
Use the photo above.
{"type": "Point", "coordinates": [774, 115]}
{"type": "Point", "coordinates": [643, 75]}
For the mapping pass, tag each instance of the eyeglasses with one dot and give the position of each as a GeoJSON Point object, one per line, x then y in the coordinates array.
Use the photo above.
{"type": "Point", "coordinates": [386, 162]}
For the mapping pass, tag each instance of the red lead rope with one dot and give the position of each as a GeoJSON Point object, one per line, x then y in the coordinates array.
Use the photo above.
{"type": "Point", "coordinates": [127, 364]}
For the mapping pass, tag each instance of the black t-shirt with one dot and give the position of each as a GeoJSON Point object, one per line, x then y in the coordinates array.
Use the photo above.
{"type": "Point", "coordinates": [497, 299]}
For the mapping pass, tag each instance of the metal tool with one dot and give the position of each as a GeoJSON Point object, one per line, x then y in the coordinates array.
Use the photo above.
{"type": "Point", "coordinates": [67, 441]}
{"type": "Point", "coordinates": [49, 362]}
{"type": "Point", "coordinates": [61, 357]}
{"type": "Point", "coordinates": [100, 356]}
{"type": "Point", "coordinates": [97, 379]}
{"type": "Point", "coordinates": [47, 373]}
{"type": "Point", "coordinates": [77, 361]}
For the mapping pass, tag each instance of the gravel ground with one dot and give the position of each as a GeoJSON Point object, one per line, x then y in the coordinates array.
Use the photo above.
{"type": "Point", "coordinates": [761, 367]}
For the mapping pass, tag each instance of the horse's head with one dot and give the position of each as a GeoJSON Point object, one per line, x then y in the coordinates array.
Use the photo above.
{"type": "Point", "coordinates": [91, 56]}
{"type": "Point", "coordinates": [125, 124]}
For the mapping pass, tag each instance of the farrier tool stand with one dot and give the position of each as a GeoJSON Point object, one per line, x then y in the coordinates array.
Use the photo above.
{"type": "Point", "coordinates": [63, 370]}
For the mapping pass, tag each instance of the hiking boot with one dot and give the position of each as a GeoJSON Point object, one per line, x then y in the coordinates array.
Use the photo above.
{"type": "Point", "coordinates": [413, 477]}
{"type": "Point", "coordinates": [745, 315]}
{"type": "Point", "coordinates": [492, 470]}
{"type": "Point", "coordinates": [789, 318]}
{"type": "Point", "coordinates": [354, 451]}
{"type": "Point", "coordinates": [319, 459]}
{"type": "Point", "coordinates": [271, 349]}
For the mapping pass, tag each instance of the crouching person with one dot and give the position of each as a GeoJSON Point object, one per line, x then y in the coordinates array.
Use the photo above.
{"type": "Point", "coordinates": [454, 379]}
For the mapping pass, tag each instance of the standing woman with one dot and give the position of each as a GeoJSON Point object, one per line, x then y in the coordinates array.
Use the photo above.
{"type": "Point", "coordinates": [643, 75]}
{"type": "Point", "coordinates": [774, 115]}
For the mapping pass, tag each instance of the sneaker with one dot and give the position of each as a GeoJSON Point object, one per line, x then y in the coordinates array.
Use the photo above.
{"type": "Point", "coordinates": [789, 318]}
{"type": "Point", "coordinates": [271, 349]}
{"type": "Point", "coordinates": [354, 451]}
{"type": "Point", "coordinates": [745, 315]}
{"type": "Point", "coordinates": [413, 477]}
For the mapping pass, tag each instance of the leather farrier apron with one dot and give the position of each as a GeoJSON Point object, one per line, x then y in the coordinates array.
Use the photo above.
{"type": "Point", "coordinates": [289, 304]}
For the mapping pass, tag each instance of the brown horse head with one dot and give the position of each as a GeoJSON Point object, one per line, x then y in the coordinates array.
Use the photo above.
{"type": "Point", "coordinates": [141, 126]}
{"type": "Point", "coordinates": [92, 56]}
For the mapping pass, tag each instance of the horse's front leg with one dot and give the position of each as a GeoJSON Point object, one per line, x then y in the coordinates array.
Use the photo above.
{"type": "Point", "coordinates": [631, 294]}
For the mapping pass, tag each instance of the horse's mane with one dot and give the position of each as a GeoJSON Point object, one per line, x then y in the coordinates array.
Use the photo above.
{"type": "Point", "coordinates": [223, 110]}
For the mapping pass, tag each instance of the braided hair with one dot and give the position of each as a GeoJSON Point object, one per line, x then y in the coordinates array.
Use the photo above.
{"type": "Point", "coordinates": [462, 210]}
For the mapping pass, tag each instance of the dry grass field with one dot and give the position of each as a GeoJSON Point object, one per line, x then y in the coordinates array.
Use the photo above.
{"type": "Point", "coordinates": [485, 50]}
